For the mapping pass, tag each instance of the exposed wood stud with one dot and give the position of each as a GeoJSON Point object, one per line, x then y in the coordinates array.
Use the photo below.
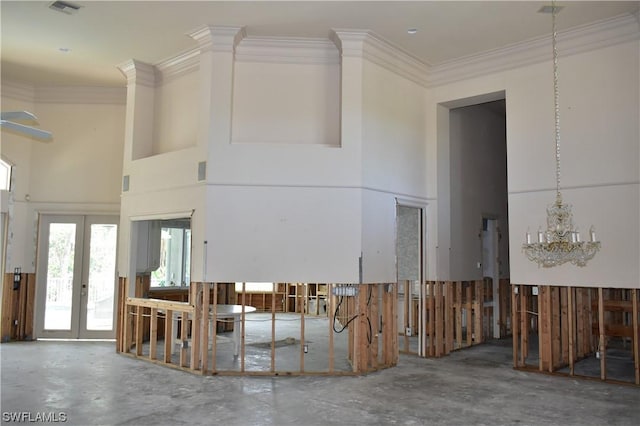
{"type": "Point", "coordinates": [564, 324]}
{"type": "Point", "coordinates": [635, 341]}
{"type": "Point", "coordinates": [204, 327]}
{"type": "Point", "coordinates": [515, 312]}
{"type": "Point", "coordinates": [448, 316]}
{"type": "Point", "coordinates": [542, 327]}
{"type": "Point", "coordinates": [570, 330]}
{"type": "Point", "coordinates": [469, 312]}
{"type": "Point", "coordinates": [272, 367]}
{"type": "Point", "coordinates": [184, 332]}
{"type": "Point", "coordinates": [139, 329]}
{"type": "Point", "coordinates": [243, 327]}
{"type": "Point", "coordinates": [524, 324]}
{"type": "Point", "coordinates": [602, 340]}
{"type": "Point", "coordinates": [302, 340]}
{"type": "Point", "coordinates": [437, 294]}
{"type": "Point", "coordinates": [153, 334]}
{"type": "Point", "coordinates": [331, 310]}
{"type": "Point", "coordinates": [555, 328]}
{"type": "Point", "coordinates": [168, 333]}
{"type": "Point", "coordinates": [458, 313]}
{"type": "Point", "coordinates": [214, 328]}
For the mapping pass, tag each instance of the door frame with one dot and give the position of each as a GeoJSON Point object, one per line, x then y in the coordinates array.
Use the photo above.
{"type": "Point", "coordinates": [80, 272]}
{"type": "Point", "coordinates": [421, 208]}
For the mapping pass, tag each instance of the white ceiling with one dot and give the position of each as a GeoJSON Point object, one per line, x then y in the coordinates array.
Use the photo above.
{"type": "Point", "coordinates": [104, 34]}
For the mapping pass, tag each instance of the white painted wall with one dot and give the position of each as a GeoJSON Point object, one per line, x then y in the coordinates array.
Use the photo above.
{"type": "Point", "coordinates": [290, 103]}
{"type": "Point", "coordinates": [78, 172]}
{"type": "Point", "coordinates": [600, 152]}
{"type": "Point", "coordinates": [393, 163]}
{"type": "Point", "coordinates": [283, 234]}
{"type": "Point", "coordinates": [267, 211]}
{"type": "Point", "coordinates": [83, 164]}
{"type": "Point", "coordinates": [16, 150]}
{"type": "Point", "coordinates": [175, 120]}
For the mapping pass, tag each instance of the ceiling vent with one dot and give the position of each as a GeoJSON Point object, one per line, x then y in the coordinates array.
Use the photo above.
{"type": "Point", "coordinates": [65, 7]}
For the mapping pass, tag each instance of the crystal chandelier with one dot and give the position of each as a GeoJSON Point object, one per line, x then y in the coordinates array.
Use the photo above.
{"type": "Point", "coordinates": [561, 242]}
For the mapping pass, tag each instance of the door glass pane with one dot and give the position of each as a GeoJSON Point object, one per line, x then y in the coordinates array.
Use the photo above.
{"type": "Point", "coordinates": [101, 285]}
{"type": "Point", "coordinates": [61, 257]}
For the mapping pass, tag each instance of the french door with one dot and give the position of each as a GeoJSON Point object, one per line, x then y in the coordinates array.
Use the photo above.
{"type": "Point", "coordinates": [76, 277]}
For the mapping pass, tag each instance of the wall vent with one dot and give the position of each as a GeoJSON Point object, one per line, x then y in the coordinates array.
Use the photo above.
{"type": "Point", "coordinates": [202, 171]}
{"type": "Point", "coordinates": [125, 183]}
{"type": "Point", "coordinates": [64, 7]}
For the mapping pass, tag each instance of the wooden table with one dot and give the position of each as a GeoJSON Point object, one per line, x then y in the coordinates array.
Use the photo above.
{"type": "Point", "coordinates": [223, 312]}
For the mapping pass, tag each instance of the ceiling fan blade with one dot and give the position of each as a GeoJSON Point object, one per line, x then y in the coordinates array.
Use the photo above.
{"type": "Point", "coordinates": [18, 116]}
{"type": "Point", "coordinates": [42, 135]}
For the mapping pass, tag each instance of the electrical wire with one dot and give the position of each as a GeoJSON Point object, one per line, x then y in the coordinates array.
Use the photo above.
{"type": "Point", "coordinates": [335, 317]}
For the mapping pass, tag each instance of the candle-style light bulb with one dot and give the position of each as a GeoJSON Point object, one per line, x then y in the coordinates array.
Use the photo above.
{"type": "Point", "coordinates": [592, 233]}
{"type": "Point", "coordinates": [528, 237]}
{"type": "Point", "coordinates": [540, 238]}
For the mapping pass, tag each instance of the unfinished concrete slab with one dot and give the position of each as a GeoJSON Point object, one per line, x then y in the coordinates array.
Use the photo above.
{"type": "Point", "coordinates": [92, 385]}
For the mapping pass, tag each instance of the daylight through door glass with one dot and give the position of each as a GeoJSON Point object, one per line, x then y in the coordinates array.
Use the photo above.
{"type": "Point", "coordinates": [61, 258]}
{"type": "Point", "coordinates": [100, 288]}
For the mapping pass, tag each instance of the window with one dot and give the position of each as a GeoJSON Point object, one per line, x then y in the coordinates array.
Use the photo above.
{"type": "Point", "coordinates": [255, 287]}
{"type": "Point", "coordinates": [5, 175]}
{"type": "Point", "coordinates": [175, 255]}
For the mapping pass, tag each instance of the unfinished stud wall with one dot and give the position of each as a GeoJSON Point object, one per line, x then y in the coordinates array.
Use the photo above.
{"type": "Point", "coordinates": [17, 307]}
{"type": "Point", "coordinates": [577, 331]}
{"type": "Point", "coordinates": [368, 318]}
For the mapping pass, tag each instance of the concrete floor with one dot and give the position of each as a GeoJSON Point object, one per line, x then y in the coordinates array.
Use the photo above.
{"type": "Point", "coordinates": [92, 384]}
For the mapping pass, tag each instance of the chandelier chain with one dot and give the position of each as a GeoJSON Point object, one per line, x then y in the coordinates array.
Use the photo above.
{"type": "Point", "coordinates": [556, 96]}
{"type": "Point", "coordinates": [561, 242]}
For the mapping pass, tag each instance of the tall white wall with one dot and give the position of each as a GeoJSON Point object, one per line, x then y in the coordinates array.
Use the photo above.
{"type": "Point", "coordinates": [16, 150]}
{"type": "Point", "coordinates": [599, 160]}
{"type": "Point", "coordinates": [267, 210]}
{"type": "Point", "coordinates": [78, 172]}
{"type": "Point", "coordinates": [393, 163]}
{"type": "Point", "coordinates": [600, 151]}
{"type": "Point", "coordinates": [291, 103]}
{"type": "Point", "coordinates": [175, 121]}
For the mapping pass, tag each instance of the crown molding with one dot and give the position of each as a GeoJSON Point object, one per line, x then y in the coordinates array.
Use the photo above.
{"type": "Point", "coordinates": [350, 43]}
{"type": "Point", "coordinates": [218, 38]}
{"type": "Point", "coordinates": [138, 72]}
{"type": "Point", "coordinates": [370, 46]}
{"type": "Point", "coordinates": [579, 39]}
{"type": "Point", "coordinates": [81, 95]}
{"type": "Point", "coordinates": [287, 50]}
{"type": "Point", "coordinates": [395, 59]}
{"type": "Point", "coordinates": [18, 91]}
{"type": "Point", "coordinates": [64, 94]}
{"type": "Point", "coordinates": [178, 65]}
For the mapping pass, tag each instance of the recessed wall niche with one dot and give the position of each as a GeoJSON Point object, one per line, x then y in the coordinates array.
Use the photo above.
{"type": "Point", "coordinates": [286, 91]}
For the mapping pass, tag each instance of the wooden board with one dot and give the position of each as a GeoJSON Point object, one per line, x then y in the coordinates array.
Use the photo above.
{"type": "Point", "coordinates": [602, 349]}
{"type": "Point", "coordinates": [635, 341]}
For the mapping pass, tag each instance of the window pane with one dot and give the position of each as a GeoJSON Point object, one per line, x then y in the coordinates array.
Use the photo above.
{"type": "Point", "coordinates": [101, 285]}
{"type": "Point", "coordinates": [5, 175]}
{"type": "Point", "coordinates": [62, 241]}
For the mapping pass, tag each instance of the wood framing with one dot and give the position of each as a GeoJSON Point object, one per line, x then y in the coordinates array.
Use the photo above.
{"type": "Point", "coordinates": [18, 300]}
{"type": "Point", "coordinates": [580, 326]}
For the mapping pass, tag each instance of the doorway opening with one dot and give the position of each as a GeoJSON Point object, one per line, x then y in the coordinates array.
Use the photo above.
{"type": "Point", "coordinates": [410, 271]}
{"type": "Point", "coordinates": [468, 303]}
{"type": "Point", "coordinates": [76, 277]}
